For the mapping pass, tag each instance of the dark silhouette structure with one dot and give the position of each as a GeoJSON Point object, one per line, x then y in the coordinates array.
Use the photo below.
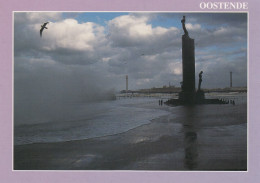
{"type": "Point", "coordinates": [200, 96]}
{"type": "Point", "coordinates": [43, 26]}
{"type": "Point", "coordinates": [188, 94]}
{"type": "Point", "coordinates": [230, 79]}
{"type": "Point", "coordinates": [184, 27]}
{"type": "Point", "coordinates": [188, 67]}
{"type": "Point", "coordinates": [200, 79]}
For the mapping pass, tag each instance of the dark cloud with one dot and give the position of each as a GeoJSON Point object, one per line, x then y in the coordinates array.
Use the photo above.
{"type": "Point", "coordinates": [209, 19]}
{"type": "Point", "coordinates": [216, 19]}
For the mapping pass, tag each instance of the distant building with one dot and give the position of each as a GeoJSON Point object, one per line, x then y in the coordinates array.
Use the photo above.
{"type": "Point", "coordinates": [126, 82]}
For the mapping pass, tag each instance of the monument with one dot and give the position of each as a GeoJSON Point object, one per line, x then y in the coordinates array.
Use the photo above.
{"type": "Point", "coordinates": [188, 94]}
{"type": "Point", "coordinates": [200, 96]}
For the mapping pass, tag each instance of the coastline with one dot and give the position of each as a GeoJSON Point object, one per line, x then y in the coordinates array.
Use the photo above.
{"type": "Point", "coordinates": [204, 137]}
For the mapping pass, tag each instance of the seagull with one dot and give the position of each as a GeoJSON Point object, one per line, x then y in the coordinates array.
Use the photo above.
{"type": "Point", "coordinates": [43, 27]}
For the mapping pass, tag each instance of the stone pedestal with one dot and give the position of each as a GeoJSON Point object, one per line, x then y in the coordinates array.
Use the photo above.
{"type": "Point", "coordinates": [188, 71]}
{"type": "Point", "coordinates": [200, 97]}
{"type": "Point", "coordinates": [187, 97]}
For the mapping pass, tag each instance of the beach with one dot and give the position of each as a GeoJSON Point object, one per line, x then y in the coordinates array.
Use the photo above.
{"type": "Point", "coordinates": [182, 138]}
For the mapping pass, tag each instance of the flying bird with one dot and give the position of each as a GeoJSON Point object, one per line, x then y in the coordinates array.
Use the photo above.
{"type": "Point", "coordinates": [43, 27]}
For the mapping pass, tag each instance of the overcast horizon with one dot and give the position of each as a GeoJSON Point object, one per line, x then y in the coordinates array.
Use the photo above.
{"type": "Point", "coordinates": [84, 52]}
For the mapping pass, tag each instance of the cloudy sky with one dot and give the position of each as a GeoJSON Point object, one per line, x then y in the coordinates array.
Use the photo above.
{"type": "Point", "coordinates": [82, 53]}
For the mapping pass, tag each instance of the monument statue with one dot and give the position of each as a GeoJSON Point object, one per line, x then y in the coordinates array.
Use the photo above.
{"type": "Point", "coordinates": [200, 79]}
{"type": "Point", "coordinates": [188, 94]}
{"type": "Point", "coordinates": [184, 27]}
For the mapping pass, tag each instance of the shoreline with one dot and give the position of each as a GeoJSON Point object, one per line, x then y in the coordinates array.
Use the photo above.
{"type": "Point", "coordinates": [212, 137]}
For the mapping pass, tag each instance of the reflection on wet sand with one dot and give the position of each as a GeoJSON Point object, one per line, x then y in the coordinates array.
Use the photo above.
{"type": "Point", "coordinates": [190, 139]}
{"type": "Point", "coordinates": [191, 152]}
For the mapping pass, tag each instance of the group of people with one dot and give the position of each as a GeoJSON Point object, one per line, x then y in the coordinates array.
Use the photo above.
{"type": "Point", "coordinates": [226, 101]}
{"type": "Point", "coordinates": [232, 102]}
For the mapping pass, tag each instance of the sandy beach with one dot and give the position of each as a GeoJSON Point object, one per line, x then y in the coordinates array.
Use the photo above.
{"type": "Point", "coordinates": [203, 137]}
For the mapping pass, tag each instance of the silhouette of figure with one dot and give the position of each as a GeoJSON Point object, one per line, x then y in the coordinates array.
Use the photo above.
{"type": "Point", "coordinates": [43, 26]}
{"type": "Point", "coordinates": [184, 27]}
{"type": "Point", "coordinates": [200, 79]}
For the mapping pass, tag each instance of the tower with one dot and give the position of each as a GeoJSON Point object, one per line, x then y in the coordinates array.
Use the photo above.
{"type": "Point", "coordinates": [187, 95]}
{"type": "Point", "coordinates": [126, 83]}
{"type": "Point", "coordinates": [230, 79]}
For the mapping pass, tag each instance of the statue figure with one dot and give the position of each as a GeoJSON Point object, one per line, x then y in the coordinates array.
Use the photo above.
{"type": "Point", "coordinates": [184, 27]}
{"type": "Point", "coordinates": [200, 79]}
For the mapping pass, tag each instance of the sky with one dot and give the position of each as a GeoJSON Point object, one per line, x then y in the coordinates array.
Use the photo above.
{"type": "Point", "coordinates": [84, 54]}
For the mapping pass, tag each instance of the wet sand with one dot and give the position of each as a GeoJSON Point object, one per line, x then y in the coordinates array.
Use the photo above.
{"type": "Point", "coordinates": [204, 137]}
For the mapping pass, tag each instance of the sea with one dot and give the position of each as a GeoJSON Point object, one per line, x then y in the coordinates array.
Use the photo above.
{"type": "Point", "coordinates": [86, 120]}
